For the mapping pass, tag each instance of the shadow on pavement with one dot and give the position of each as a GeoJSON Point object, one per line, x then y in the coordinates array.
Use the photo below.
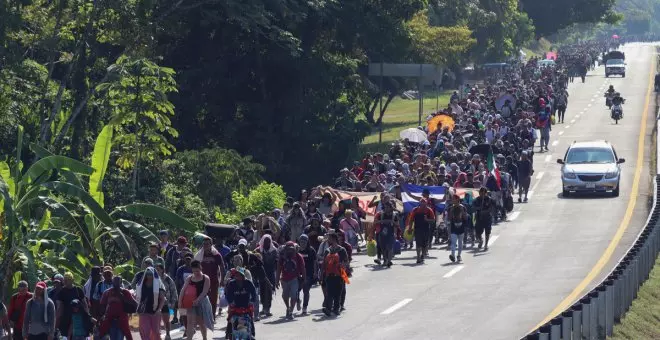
{"type": "Point", "coordinates": [583, 195]}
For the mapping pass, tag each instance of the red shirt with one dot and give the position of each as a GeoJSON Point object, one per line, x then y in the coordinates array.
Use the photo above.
{"type": "Point", "coordinates": [427, 212]}
{"type": "Point", "coordinates": [18, 302]}
{"type": "Point", "coordinates": [288, 275]}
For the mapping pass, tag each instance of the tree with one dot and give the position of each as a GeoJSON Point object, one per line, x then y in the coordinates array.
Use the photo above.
{"type": "Point", "coordinates": [439, 45]}
{"type": "Point", "coordinates": [551, 16]}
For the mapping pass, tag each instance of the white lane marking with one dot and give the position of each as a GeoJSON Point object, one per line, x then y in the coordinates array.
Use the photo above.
{"type": "Point", "coordinates": [596, 95]}
{"type": "Point", "coordinates": [395, 307]}
{"type": "Point", "coordinates": [561, 133]}
{"type": "Point", "coordinates": [567, 126]}
{"type": "Point", "coordinates": [493, 239]}
{"type": "Point", "coordinates": [577, 116]}
{"type": "Point", "coordinates": [589, 105]}
{"type": "Point", "coordinates": [555, 143]}
{"type": "Point", "coordinates": [540, 175]}
{"type": "Point", "coordinates": [453, 271]}
{"type": "Point", "coordinates": [592, 99]}
{"type": "Point", "coordinates": [572, 121]}
{"type": "Point", "coordinates": [513, 215]}
{"type": "Point", "coordinates": [548, 158]}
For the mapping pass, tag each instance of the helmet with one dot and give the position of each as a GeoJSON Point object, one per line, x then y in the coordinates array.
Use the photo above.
{"type": "Point", "coordinates": [612, 87]}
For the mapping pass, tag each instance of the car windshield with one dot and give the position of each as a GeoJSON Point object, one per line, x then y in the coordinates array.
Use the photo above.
{"type": "Point", "coordinates": [615, 62]}
{"type": "Point", "coordinates": [589, 155]}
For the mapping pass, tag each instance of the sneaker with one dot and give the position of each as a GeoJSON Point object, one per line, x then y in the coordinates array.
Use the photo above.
{"type": "Point", "coordinates": [519, 200]}
{"type": "Point", "coordinates": [304, 311]}
{"type": "Point", "coordinates": [459, 258]}
{"type": "Point", "coordinates": [486, 248]}
{"type": "Point", "coordinates": [289, 316]}
{"type": "Point", "coordinates": [175, 321]}
{"type": "Point", "coordinates": [480, 244]}
{"type": "Point", "coordinates": [269, 314]}
{"type": "Point", "coordinates": [452, 258]}
{"type": "Point", "coordinates": [326, 311]}
{"type": "Point", "coordinates": [389, 264]}
{"type": "Point", "coordinates": [343, 308]}
{"type": "Point", "coordinates": [377, 261]}
{"type": "Point", "coordinates": [255, 320]}
{"type": "Point", "coordinates": [336, 312]}
{"type": "Point", "coordinates": [525, 200]}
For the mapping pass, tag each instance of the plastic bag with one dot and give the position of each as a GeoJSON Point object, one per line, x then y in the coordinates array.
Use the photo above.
{"type": "Point", "coordinates": [552, 119]}
{"type": "Point", "coordinates": [371, 248]}
{"type": "Point", "coordinates": [397, 247]}
{"type": "Point", "coordinates": [223, 299]}
{"type": "Point", "coordinates": [409, 234]}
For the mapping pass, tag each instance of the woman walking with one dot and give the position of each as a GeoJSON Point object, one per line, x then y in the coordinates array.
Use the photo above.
{"type": "Point", "coordinates": [150, 295]}
{"type": "Point", "coordinates": [194, 298]}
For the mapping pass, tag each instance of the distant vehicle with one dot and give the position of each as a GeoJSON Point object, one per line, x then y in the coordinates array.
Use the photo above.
{"type": "Point", "coordinates": [615, 63]}
{"type": "Point", "coordinates": [590, 167]}
{"type": "Point", "coordinates": [545, 63]}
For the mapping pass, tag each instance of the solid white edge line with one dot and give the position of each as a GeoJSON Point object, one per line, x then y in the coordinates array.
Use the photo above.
{"type": "Point", "coordinates": [540, 175]}
{"type": "Point", "coordinates": [453, 271]}
{"type": "Point", "coordinates": [396, 306]}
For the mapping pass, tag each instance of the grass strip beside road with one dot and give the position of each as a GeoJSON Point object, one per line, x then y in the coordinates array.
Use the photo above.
{"type": "Point", "coordinates": [643, 319]}
{"type": "Point", "coordinates": [402, 114]}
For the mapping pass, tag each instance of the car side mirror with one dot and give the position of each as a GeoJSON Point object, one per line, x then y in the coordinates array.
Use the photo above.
{"type": "Point", "coordinates": [560, 161]}
{"type": "Point", "coordinates": [621, 160]}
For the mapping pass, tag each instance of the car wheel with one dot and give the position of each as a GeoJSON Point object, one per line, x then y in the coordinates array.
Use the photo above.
{"type": "Point", "coordinates": [607, 75]}
{"type": "Point", "coordinates": [623, 75]}
{"type": "Point", "coordinates": [615, 192]}
{"type": "Point", "coordinates": [565, 193]}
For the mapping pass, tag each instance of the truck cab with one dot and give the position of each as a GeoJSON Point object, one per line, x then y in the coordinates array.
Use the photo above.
{"type": "Point", "coordinates": [615, 63]}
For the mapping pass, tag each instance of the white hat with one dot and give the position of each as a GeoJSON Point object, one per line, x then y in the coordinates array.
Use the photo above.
{"type": "Point", "coordinates": [242, 242]}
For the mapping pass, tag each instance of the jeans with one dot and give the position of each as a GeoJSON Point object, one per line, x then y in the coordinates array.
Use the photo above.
{"type": "Point", "coordinates": [256, 301]}
{"type": "Point", "coordinates": [454, 240]}
{"type": "Point", "coordinates": [305, 288]}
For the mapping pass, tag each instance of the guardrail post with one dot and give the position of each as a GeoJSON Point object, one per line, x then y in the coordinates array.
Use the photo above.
{"type": "Point", "coordinates": [586, 317]}
{"type": "Point", "coordinates": [566, 324]}
{"type": "Point", "coordinates": [544, 332]}
{"type": "Point", "coordinates": [555, 329]}
{"type": "Point", "coordinates": [609, 307]}
{"type": "Point", "coordinates": [602, 311]}
{"type": "Point", "coordinates": [577, 321]}
{"type": "Point", "coordinates": [628, 273]}
{"type": "Point", "coordinates": [593, 315]}
{"type": "Point", "coordinates": [616, 297]}
{"type": "Point", "coordinates": [635, 273]}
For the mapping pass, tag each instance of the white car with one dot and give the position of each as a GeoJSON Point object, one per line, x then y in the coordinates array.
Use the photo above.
{"type": "Point", "coordinates": [590, 167]}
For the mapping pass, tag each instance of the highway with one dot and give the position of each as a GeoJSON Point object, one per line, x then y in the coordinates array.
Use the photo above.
{"type": "Point", "coordinates": [551, 250]}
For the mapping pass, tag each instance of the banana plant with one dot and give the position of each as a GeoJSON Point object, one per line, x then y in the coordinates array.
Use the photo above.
{"type": "Point", "coordinates": [50, 222]}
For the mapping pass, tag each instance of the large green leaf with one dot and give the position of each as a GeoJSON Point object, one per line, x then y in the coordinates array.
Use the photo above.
{"type": "Point", "coordinates": [5, 173]}
{"type": "Point", "coordinates": [139, 230]}
{"type": "Point", "coordinates": [56, 163]}
{"type": "Point", "coordinates": [29, 265]}
{"type": "Point", "coordinates": [77, 192]}
{"type": "Point", "coordinates": [125, 243]}
{"type": "Point", "coordinates": [70, 177]}
{"type": "Point", "coordinates": [55, 235]}
{"type": "Point", "coordinates": [100, 159]}
{"type": "Point", "coordinates": [160, 213]}
{"type": "Point", "coordinates": [44, 223]}
{"type": "Point", "coordinates": [10, 217]}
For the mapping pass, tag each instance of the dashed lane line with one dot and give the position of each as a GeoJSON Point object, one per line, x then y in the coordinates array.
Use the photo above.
{"type": "Point", "coordinates": [453, 271]}
{"type": "Point", "coordinates": [396, 306]}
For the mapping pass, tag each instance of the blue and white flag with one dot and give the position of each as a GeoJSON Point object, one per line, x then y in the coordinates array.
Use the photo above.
{"type": "Point", "coordinates": [411, 201]}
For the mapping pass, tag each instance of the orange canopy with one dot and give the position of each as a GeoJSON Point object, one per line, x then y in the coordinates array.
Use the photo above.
{"type": "Point", "coordinates": [440, 121]}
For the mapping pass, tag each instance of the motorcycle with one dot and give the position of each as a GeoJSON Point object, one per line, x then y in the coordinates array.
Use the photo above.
{"type": "Point", "coordinates": [617, 113]}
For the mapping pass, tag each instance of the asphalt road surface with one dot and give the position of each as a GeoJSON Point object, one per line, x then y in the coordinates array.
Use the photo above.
{"type": "Point", "coordinates": [550, 252]}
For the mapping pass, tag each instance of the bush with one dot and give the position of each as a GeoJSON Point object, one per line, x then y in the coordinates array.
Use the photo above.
{"type": "Point", "coordinates": [263, 198]}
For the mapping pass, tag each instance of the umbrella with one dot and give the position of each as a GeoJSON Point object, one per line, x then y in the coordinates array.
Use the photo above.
{"type": "Point", "coordinates": [440, 120]}
{"type": "Point", "coordinates": [414, 135]}
{"type": "Point", "coordinates": [483, 149]}
{"type": "Point", "coordinates": [615, 36]}
{"type": "Point", "coordinates": [499, 103]}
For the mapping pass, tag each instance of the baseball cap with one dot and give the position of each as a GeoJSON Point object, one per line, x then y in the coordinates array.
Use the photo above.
{"type": "Point", "coordinates": [242, 242]}
{"type": "Point", "coordinates": [58, 277]}
{"type": "Point", "coordinates": [41, 285]}
{"type": "Point", "coordinates": [182, 240]}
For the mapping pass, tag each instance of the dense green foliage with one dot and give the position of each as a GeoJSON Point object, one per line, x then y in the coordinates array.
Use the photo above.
{"type": "Point", "coordinates": [137, 109]}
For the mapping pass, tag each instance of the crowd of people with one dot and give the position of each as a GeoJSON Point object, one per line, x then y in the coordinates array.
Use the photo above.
{"type": "Point", "coordinates": [481, 163]}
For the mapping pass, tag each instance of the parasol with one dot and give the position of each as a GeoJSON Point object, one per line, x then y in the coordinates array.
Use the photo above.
{"type": "Point", "coordinates": [615, 36]}
{"type": "Point", "coordinates": [499, 103]}
{"type": "Point", "coordinates": [414, 135]}
{"type": "Point", "coordinates": [439, 121]}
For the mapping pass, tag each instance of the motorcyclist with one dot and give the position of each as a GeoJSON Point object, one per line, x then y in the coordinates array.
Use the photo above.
{"type": "Point", "coordinates": [609, 95]}
{"type": "Point", "coordinates": [617, 100]}
{"type": "Point", "coordinates": [611, 91]}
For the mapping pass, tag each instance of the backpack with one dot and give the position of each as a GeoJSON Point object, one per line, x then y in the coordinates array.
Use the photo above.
{"type": "Point", "coordinates": [332, 265]}
{"type": "Point", "coordinates": [289, 265]}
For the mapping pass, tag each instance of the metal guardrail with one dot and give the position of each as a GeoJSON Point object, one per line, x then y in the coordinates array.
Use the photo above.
{"type": "Point", "coordinates": [593, 316]}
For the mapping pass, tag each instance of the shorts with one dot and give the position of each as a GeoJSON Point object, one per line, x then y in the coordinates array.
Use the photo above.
{"type": "Point", "coordinates": [481, 227]}
{"type": "Point", "coordinates": [290, 288]}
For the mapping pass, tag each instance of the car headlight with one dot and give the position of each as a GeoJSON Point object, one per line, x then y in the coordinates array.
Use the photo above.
{"type": "Point", "coordinates": [569, 175]}
{"type": "Point", "coordinates": [611, 174]}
